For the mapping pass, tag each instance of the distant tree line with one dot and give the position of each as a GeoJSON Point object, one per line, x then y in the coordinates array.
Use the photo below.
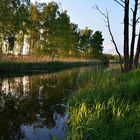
{"type": "Point", "coordinates": [42, 28]}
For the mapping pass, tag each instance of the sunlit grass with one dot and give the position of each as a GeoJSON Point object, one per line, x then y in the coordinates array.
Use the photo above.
{"type": "Point", "coordinates": [14, 64]}
{"type": "Point", "coordinates": [41, 58]}
{"type": "Point", "coordinates": [107, 107]}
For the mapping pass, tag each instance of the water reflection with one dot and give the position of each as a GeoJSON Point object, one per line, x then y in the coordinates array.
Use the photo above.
{"type": "Point", "coordinates": [34, 107]}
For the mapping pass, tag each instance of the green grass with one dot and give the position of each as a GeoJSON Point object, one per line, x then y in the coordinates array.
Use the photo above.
{"type": "Point", "coordinates": [10, 64]}
{"type": "Point", "coordinates": [106, 107]}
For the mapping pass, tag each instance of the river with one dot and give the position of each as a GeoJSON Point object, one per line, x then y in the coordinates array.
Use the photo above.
{"type": "Point", "coordinates": [35, 107]}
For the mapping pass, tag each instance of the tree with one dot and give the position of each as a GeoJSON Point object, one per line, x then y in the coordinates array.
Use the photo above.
{"type": "Point", "coordinates": [22, 23]}
{"type": "Point", "coordinates": [34, 27]}
{"type": "Point", "coordinates": [8, 20]}
{"type": "Point", "coordinates": [66, 34]}
{"type": "Point", "coordinates": [128, 48]}
{"type": "Point", "coordinates": [84, 41]}
{"type": "Point", "coordinates": [136, 60]}
{"type": "Point", "coordinates": [129, 58]}
{"type": "Point", "coordinates": [74, 35]}
{"type": "Point", "coordinates": [97, 43]}
{"type": "Point", "coordinates": [8, 10]}
{"type": "Point", "coordinates": [49, 27]}
{"type": "Point", "coordinates": [90, 43]}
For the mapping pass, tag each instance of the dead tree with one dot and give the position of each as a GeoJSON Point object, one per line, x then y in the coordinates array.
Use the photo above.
{"type": "Point", "coordinates": [134, 22]}
{"type": "Point", "coordinates": [136, 60]}
{"type": "Point", "coordinates": [129, 61]}
{"type": "Point", "coordinates": [126, 35]}
{"type": "Point", "coordinates": [128, 50]}
{"type": "Point", "coordinates": [111, 34]}
{"type": "Point", "coordinates": [125, 5]}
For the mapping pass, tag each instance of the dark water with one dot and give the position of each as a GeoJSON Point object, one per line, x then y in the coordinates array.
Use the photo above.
{"type": "Point", "coordinates": [35, 107]}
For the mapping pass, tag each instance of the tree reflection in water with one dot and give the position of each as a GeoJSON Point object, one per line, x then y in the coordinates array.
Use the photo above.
{"type": "Point", "coordinates": [34, 107]}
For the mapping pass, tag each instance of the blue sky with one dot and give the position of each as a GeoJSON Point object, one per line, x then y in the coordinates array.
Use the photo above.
{"type": "Point", "coordinates": [82, 13]}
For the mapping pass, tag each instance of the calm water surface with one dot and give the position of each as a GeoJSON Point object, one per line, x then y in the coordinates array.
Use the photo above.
{"type": "Point", "coordinates": [35, 107]}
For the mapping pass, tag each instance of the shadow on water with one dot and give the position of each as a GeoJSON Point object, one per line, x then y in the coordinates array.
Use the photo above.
{"type": "Point", "coordinates": [35, 107]}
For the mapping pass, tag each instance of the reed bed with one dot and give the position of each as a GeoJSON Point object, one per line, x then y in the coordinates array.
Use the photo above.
{"type": "Point", "coordinates": [42, 58]}
{"type": "Point", "coordinates": [39, 64]}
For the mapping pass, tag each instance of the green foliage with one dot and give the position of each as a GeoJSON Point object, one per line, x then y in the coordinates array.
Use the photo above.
{"type": "Point", "coordinates": [33, 27]}
{"type": "Point", "coordinates": [112, 57]}
{"type": "Point", "coordinates": [10, 21]}
{"type": "Point", "coordinates": [84, 41]}
{"type": "Point", "coordinates": [90, 44]}
{"type": "Point", "coordinates": [36, 66]}
{"type": "Point", "coordinates": [49, 14]}
{"type": "Point", "coordinates": [106, 107]}
{"type": "Point", "coordinates": [97, 42]}
{"type": "Point", "coordinates": [46, 30]}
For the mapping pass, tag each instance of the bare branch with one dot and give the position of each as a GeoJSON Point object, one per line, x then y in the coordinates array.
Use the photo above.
{"type": "Point", "coordinates": [120, 3]}
{"type": "Point", "coordinates": [134, 22]}
{"type": "Point", "coordinates": [110, 32]}
{"type": "Point", "coordinates": [136, 60]}
{"type": "Point", "coordinates": [130, 24]}
{"type": "Point", "coordinates": [132, 10]}
{"type": "Point", "coordinates": [97, 8]}
{"type": "Point", "coordinates": [137, 20]}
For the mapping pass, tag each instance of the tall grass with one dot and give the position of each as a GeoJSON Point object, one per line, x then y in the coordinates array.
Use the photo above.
{"type": "Point", "coordinates": [33, 64]}
{"type": "Point", "coordinates": [107, 107]}
{"type": "Point", "coordinates": [42, 58]}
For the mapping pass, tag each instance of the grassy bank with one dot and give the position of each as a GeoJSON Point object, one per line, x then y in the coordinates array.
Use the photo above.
{"type": "Point", "coordinates": [39, 64]}
{"type": "Point", "coordinates": [107, 107]}
{"type": "Point", "coordinates": [40, 67]}
{"type": "Point", "coordinates": [42, 58]}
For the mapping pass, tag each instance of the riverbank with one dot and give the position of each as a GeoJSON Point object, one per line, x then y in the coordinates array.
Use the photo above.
{"type": "Point", "coordinates": [106, 107]}
{"type": "Point", "coordinates": [41, 64]}
{"type": "Point", "coordinates": [41, 67]}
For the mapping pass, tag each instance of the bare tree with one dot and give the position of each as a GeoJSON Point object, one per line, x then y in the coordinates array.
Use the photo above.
{"type": "Point", "coordinates": [129, 61]}
{"type": "Point", "coordinates": [111, 34]}
{"type": "Point", "coordinates": [128, 50]}
{"type": "Point", "coordinates": [126, 34]}
{"type": "Point", "coordinates": [134, 22]}
{"type": "Point", "coordinates": [136, 60]}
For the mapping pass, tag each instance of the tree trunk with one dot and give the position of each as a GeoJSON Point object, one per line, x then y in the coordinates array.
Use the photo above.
{"type": "Point", "coordinates": [31, 46]}
{"type": "Point", "coordinates": [11, 43]}
{"type": "Point", "coordinates": [126, 36]}
{"type": "Point", "coordinates": [136, 61]}
{"type": "Point", "coordinates": [133, 35]}
{"type": "Point", "coordinates": [22, 45]}
{"type": "Point", "coordinates": [1, 47]}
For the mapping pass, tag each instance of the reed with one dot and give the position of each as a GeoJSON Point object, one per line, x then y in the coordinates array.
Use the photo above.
{"type": "Point", "coordinates": [20, 67]}
{"type": "Point", "coordinates": [37, 64]}
{"type": "Point", "coordinates": [106, 107]}
{"type": "Point", "coordinates": [42, 58]}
